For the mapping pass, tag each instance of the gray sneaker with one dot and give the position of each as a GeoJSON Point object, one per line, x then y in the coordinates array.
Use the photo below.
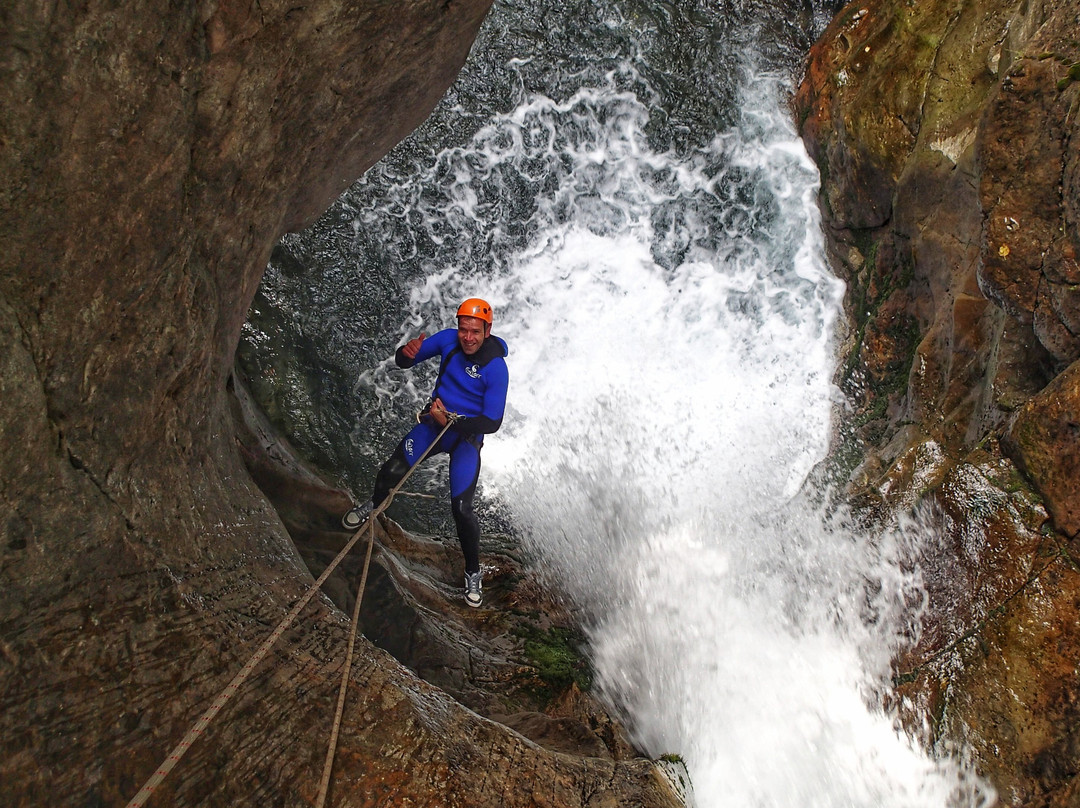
{"type": "Point", "coordinates": [473, 589]}
{"type": "Point", "coordinates": [356, 516]}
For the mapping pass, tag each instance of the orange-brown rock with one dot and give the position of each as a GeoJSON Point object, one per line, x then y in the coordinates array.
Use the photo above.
{"type": "Point", "coordinates": [946, 135]}
{"type": "Point", "coordinates": [1044, 440]}
{"type": "Point", "coordinates": [1028, 138]}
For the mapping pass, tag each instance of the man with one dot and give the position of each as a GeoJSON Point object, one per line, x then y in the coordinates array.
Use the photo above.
{"type": "Point", "coordinates": [472, 385]}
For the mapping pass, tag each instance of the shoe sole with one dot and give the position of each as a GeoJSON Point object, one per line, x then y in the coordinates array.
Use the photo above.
{"type": "Point", "coordinates": [345, 523]}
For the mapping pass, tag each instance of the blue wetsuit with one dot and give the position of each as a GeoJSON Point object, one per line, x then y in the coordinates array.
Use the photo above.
{"type": "Point", "coordinates": [474, 387]}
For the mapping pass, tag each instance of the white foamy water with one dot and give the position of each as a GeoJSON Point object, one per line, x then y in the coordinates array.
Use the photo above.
{"type": "Point", "coordinates": [671, 324]}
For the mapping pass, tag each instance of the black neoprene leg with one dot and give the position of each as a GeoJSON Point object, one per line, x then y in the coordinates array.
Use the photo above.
{"type": "Point", "coordinates": [468, 528]}
{"type": "Point", "coordinates": [391, 473]}
{"type": "Point", "coordinates": [465, 519]}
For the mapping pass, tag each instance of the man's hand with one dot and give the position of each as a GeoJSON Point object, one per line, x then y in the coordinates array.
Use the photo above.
{"type": "Point", "coordinates": [438, 412]}
{"type": "Point", "coordinates": [412, 347]}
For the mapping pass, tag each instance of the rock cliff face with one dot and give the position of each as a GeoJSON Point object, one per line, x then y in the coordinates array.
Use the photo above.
{"type": "Point", "coordinates": [150, 157]}
{"type": "Point", "coordinates": [948, 140]}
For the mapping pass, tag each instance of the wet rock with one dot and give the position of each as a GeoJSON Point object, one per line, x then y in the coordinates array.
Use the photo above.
{"type": "Point", "coordinates": [990, 667]}
{"type": "Point", "coordinates": [962, 307]}
{"type": "Point", "coordinates": [412, 606]}
{"type": "Point", "coordinates": [413, 609]}
{"type": "Point", "coordinates": [963, 324]}
{"type": "Point", "coordinates": [1044, 440]}
{"type": "Point", "coordinates": [152, 156]}
{"type": "Point", "coordinates": [1024, 182]}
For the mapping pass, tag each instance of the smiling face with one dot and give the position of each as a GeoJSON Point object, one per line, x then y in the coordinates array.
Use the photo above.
{"type": "Point", "coordinates": [471, 332]}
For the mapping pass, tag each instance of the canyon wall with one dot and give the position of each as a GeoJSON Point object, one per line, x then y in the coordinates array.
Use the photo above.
{"type": "Point", "coordinates": [948, 140]}
{"type": "Point", "coordinates": [150, 158]}
{"type": "Point", "coordinates": [149, 161]}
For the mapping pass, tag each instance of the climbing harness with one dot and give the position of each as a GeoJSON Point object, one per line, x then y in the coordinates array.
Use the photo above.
{"type": "Point", "coordinates": [199, 727]}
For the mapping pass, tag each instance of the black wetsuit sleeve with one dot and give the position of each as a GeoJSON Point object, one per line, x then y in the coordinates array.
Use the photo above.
{"type": "Point", "coordinates": [401, 360]}
{"type": "Point", "coordinates": [478, 425]}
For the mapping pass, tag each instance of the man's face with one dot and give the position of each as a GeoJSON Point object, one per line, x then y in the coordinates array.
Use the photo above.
{"type": "Point", "coordinates": [471, 332]}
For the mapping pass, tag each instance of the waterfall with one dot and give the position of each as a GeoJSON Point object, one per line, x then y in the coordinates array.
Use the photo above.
{"type": "Point", "coordinates": [633, 199]}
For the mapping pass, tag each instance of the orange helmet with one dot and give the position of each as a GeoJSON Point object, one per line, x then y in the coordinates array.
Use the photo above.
{"type": "Point", "coordinates": [475, 307]}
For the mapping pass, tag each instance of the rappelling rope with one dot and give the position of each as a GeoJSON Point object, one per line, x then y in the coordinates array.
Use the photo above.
{"type": "Point", "coordinates": [230, 689]}
{"type": "Point", "coordinates": [324, 786]}
{"type": "Point", "coordinates": [328, 766]}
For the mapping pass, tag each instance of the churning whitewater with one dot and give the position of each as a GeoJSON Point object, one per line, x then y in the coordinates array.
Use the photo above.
{"type": "Point", "coordinates": [673, 327]}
